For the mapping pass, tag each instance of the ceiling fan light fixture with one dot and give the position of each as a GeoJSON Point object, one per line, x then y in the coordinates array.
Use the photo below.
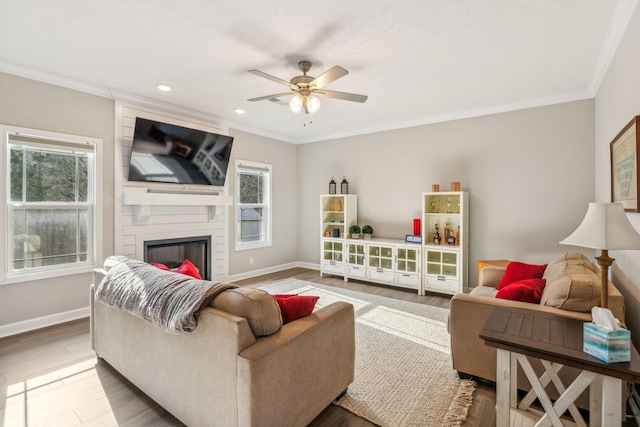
{"type": "Point", "coordinates": [295, 105]}
{"type": "Point", "coordinates": [313, 104]}
{"type": "Point", "coordinates": [305, 87]}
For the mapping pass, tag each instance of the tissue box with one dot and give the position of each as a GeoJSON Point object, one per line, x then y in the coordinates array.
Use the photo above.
{"type": "Point", "coordinates": [608, 346]}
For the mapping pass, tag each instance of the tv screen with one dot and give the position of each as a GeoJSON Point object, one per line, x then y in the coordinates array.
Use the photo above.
{"type": "Point", "coordinates": [167, 153]}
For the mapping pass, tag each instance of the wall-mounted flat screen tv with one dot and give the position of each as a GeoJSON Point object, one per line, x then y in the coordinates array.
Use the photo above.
{"type": "Point", "coordinates": [167, 153]}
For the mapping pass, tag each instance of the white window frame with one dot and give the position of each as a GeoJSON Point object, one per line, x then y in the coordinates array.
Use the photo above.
{"type": "Point", "coordinates": [54, 140]}
{"type": "Point", "coordinates": [250, 166]}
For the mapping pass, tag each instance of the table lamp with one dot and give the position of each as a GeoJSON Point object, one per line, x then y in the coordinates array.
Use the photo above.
{"type": "Point", "coordinates": [604, 227]}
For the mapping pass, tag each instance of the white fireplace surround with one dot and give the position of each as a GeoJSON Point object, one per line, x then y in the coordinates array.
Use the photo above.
{"type": "Point", "coordinates": [142, 198]}
{"type": "Point", "coordinates": [145, 212]}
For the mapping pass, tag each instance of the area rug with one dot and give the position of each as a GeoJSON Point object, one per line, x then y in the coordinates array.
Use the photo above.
{"type": "Point", "coordinates": [403, 373]}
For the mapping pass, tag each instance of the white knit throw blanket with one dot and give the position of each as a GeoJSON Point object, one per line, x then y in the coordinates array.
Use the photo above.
{"type": "Point", "coordinates": [171, 301]}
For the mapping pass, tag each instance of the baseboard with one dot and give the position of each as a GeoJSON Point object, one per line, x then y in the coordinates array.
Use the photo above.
{"type": "Point", "coordinates": [42, 322]}
{"type": "Point", "coordinates": [309, 265]}
{"type": "Point", "coordinates": [67, 316]}
{"type": "Point", "coordinates": [274, 269]}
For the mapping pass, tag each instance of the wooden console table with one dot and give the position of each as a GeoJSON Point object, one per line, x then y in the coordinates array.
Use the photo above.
{"type": "Point", "coordinates": [557, 342]}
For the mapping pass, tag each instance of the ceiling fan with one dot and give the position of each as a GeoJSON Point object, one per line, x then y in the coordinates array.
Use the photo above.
{"type": "Point", "coordinates": [305, 87]}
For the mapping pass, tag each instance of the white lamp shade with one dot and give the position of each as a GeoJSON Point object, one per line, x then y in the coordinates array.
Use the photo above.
{"type": "Point", "coordinates": [295, 105]}
{"type": "Point", "coordinates": [605, 226]}
{"type": "Point", "coordinates": [313, 104]}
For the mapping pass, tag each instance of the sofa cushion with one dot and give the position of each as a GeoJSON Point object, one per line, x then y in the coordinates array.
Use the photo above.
{"type": "Point", "coordinates": [517, 271]}
{"type": "Point", "coordinates": [186, 268]}
{"type": "Point", "coordinates": [160, 266]}
{"type": "Point", "coordinates": [528, 290]}
{"type": "Point", "coordinates": [573, 283]}
{"type": "Point", "coordinates": [257, 306]}
{"type": "Point", "coordinates": [559, 264]}
{"type": "Point", "coordinates": [295, 307]}
{"type": "Point", "coordinates": [484, 291]}
{"type": "Point", "coordinates": [189, 269]}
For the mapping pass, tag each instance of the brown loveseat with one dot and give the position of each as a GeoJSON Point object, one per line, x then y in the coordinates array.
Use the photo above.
{"type": "Point", "coordinates": [228, 372]}
{"type": "Point", "coordinates": [572, 283]}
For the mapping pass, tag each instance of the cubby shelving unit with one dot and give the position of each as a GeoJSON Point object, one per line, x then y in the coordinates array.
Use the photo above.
{"type": "Point", "coordinates": [445, 262]}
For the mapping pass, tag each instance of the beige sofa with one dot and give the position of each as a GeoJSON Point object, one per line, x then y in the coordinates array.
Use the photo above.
{"type": "Point", "coordinates": [224, 373]}
{"type": "Point", "coordinates": [469, 313]}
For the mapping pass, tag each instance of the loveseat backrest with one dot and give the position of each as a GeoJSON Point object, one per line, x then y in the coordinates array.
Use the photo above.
{"type": "Point", "coordinates": [490, 276]}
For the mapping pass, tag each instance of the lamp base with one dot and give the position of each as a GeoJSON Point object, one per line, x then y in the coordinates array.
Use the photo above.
{"type": "Point", "coordinates": [604, 261]}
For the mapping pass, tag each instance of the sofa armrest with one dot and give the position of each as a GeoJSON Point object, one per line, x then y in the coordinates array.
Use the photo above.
{"type": "Point", "coordinates": [307, 364]}
{"type": "Point", "coordinates": [491, 276]}
{"type": "Point", "coordinates": [467, 316]}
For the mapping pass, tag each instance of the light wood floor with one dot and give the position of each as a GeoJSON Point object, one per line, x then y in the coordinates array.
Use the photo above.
{"type": "Point", "coordinates": [51, 377]}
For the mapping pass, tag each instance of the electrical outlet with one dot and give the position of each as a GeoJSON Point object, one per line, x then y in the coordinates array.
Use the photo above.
{"type": "Point", "coordinates": [250, 260]}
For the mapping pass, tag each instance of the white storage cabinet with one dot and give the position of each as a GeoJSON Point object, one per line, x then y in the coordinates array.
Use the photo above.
{"type": "Point", "coordinates": [337, 213]}
{"type": "Point", "coordinates": [445, 264]}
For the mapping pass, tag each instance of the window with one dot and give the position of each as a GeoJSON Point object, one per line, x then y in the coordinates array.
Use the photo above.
{"type": "Point", "coordinates": [253, 205]}
{"type": "Point", "coordinates": [50, 203]}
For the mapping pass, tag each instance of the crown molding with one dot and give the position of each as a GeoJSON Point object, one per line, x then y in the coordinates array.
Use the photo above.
{"type": "Point", "coordinates": [53, 79]}
{"type": "Point", "coordinates": [619, 23]}
{"type": "Point", "coordinates": [106, 93]}
{"type": "Point", "coordinates": [541, 102]}
{"type": "Point", "coordinates": [261, 132]}
{"type": "Point", "coordinates": [621, 20]}
{"type": "Point", "coordinates": [153, 105]}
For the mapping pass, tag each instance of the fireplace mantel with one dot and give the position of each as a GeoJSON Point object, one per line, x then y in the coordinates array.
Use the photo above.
{"type": "Point", "coordinates": [143, 198]}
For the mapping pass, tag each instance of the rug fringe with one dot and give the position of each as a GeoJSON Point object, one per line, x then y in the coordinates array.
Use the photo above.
{"type": "Point", "coordinates": [460, 405]}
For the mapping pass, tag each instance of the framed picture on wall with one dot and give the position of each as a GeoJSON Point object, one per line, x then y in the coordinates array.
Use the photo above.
{"type": "Point", "coordinates": [624, 166]}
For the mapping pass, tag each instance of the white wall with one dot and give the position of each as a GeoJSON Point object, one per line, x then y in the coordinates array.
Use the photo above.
{"type": "Point", "coordinates": [529, 174]}
{"type": "Point", "coordinates": [31, 104]}
{"type": "Point", "coordinates": [283, 157]}
{"type": "Point", "coordinates": [617, 102]}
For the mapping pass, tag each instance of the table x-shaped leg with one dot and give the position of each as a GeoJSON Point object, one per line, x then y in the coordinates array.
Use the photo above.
{"type": "Point", "coordinates": [605, 393]}
{"type": "Point", "coordinates": [551, 375]}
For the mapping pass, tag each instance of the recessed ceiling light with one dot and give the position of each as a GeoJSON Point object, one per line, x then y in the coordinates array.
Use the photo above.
{"type": "Point", "coordinates": [163, 87]}
{"type": "Point", "coordinates": [239, 110]}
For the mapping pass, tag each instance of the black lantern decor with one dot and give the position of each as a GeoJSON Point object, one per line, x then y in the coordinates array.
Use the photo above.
{"type": "Point", "coordinates": [332, 187]}
{"type": "Point", "coordinates": [344, 186]}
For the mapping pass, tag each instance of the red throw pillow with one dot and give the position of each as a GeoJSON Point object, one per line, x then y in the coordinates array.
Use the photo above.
{"type": "Point", "coordinates": [189, 269]}
{"type": "Point", "coordinates": [284, 295]}
{"type": "Point", "coordinates": [160, 266]}
{"type": "Point", "coordinates": [294, 307]}
{"type": "Point", "coordinates": [517, 271]}
{"type": "Point", "coordinates": [528, 290]}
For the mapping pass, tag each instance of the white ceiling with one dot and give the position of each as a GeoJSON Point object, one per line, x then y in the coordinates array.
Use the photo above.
{"type": "Point", "coordinates": [419, 61]}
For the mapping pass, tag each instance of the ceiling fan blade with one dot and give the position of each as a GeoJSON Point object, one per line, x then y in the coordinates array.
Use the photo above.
{"type": "Point", "coordinates": [270, 77]}
{"type": "Point", "coordinates": [277, 95]}
{"type": "Point", "coordinates": [324, 79]}
{"type": "Point", "coordinates": [343, 95]}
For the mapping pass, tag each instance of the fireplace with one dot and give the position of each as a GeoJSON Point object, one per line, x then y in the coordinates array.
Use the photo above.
{"type": "Point", "coordinates": [173, 252]}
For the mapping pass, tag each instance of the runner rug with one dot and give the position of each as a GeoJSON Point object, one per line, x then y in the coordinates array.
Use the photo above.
{"type": "Point", "coordinates": [403, 373]}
